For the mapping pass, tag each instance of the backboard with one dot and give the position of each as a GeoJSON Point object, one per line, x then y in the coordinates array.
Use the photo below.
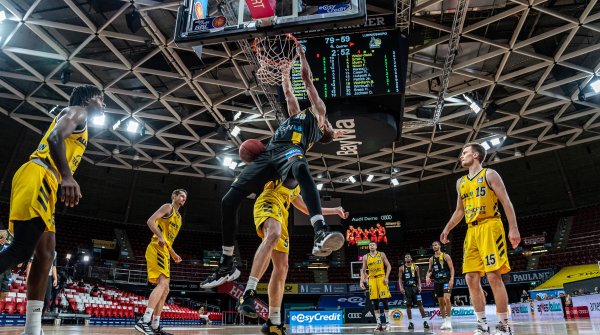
{"type": "Point", "coordinates": [213, 21]}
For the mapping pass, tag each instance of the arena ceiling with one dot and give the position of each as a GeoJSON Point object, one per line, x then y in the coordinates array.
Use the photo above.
{"type": "Point", "coordinates": [529, 65]}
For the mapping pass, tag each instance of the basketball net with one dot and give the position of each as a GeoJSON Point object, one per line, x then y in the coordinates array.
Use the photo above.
{"type": "Point", "coordinates": [275, 55]}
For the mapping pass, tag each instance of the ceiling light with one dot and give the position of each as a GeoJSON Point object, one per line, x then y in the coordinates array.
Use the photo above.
{"type": "Point", "coordinates": [68, 256]}
{"type": "Point", "coordinates": [132, 126]}
{"type": "Point", "coordinates": [370, 177]}
{"type": "Point", "coordinates": [235, 131]}
{"type": "Point", "coordinates": [352, 179]}
{"type": "Point", "coordinates": [86, 258]}
{"type": "Point", "coordinates": [116, 151]}
{"type": "Point", "coordinates": [496, 159]}
{"type": "Point", "coordinates": [136, 157]}
{"type": "Point", "coordinates": [227, 161]}
{"type": "Point", "coordinates": [116, 125]}
{"type": "Point", "coordinates": [233, 165]}
{"type": "Point", "coordinates": [595, 85]}
{"type": "Point", "coordinates": [485, 145]}
{"type": "Point", "coordinates": [518, 153]}
{"type": "Point", "coordinates": [98, 120]}
{"type": "Point", "coordinates": [319, 186]}
{"type": "Point", "coordinates": [237, 116]}
{"type": "Point", "coordinates": [495, 141]}
{"type": "Point", "coordinates": [395, 182]}
{"type": "Point", "coordinates": [2, 15]}
{"type": "Point", "coordinates": [475, 107]}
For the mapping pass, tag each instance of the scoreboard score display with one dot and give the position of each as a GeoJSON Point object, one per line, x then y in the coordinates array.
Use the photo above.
{"type": "Point", "coordinates": [354, 64]}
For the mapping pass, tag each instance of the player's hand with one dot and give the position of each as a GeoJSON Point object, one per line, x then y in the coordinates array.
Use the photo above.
{"type": "Point", "coordinates": [339, 133]}
{"type": "Point", "coordinates": [451, 283]}
{"type": "Point", "coordinates": [341, 213]}
{"type": "Point", "coordinates": [362, 286]}
{"type": "Point", "coordinates": [444, 236]}
{"type": "Point", "coordinates": [428, 281]}
{"type": "Point", "coordinates": [161, 242]}
{"type": "Point", "coordinates": [176, 258]}
{"type": "Point", "coordinates": [54, 282]}
{"type": "Point", "coordinates": [3, 237]}
{"type": "Point", "coordinates": [402, 290]}
{"type": "Point", "coordinates": [419, 288]}
{"type": "Point", "coordinates": [70, 192]}
{"type": "Point", "coordinates": [386, 281]}
{"type": "Point", "coordinates": [514, 236]}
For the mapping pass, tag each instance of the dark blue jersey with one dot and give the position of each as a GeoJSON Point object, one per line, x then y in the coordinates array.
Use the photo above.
{"type": "Point", "coordinates": [301, 129]}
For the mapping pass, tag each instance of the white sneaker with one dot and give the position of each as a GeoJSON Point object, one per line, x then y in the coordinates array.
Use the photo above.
{"type": "Point", "coordinates": [448, 325]}
{"type": "Point", "coordinates": [444, 325]}
{"type": "Point", "coordinates": [388, 326]}
{"type": "Point", "coordinates": [481, 330]}
{"type": "Point", "coordinates": [502, 329]}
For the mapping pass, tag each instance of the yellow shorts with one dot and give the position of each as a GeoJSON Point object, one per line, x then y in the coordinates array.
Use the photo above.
{"type": "Point", "coordinates": [485, 248]}
{"type": "Point", "coordinates": [266, 207]}
{"type": "Point", "coordinates": [378, 289]}
{"type": "Point", "coordinates": [157, 262]}
{"type": "Point", "coordinates": [33, 195]}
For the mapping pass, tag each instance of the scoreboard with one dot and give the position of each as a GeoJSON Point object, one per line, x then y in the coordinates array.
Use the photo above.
{"type": "Point", "coordinates": [354, 65]}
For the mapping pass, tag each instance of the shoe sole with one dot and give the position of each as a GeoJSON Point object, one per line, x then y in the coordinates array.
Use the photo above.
{"type": "Point", "coordinates": [321, 252]}
{"type": "Point", "coordinates": [215, 283]}
{"type": "Point", "coordinates": [334, 241]}
{"type": "Point", "coordinates": [236, 274]}
{"type": "Point", "coordinates": [139, 329]}
{"type": "Point", "coordinates": [248, 314]}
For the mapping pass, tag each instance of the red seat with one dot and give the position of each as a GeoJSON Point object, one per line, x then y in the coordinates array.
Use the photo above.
{"type": "Point", "coordinates": [10, 307]}
{"type": "Point", "coordinates": [21, 308]}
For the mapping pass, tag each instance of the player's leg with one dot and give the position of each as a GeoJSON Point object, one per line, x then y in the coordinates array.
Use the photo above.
{"type": "Point", "coordinates": [495, 258]}
{"type": "Point", "coordinates": [274, 325]}
{"type": "Point", "coordinates": [271, 232]}
{"type": "Point", "coordinates": [473, 268]}
{"type": "Point", "coordinates": [422, 311]}
{"type": "Point", "coordinates": [448, 307]}
{"type": "Point", "coordinates": [157, 263]}
{"type": "Point", "coordinates": [163, 282]}
{"type": "Point", "coordinates": [325, 241]}
{"type": "Point", "coordinates": [386, 312]}
{"type": "Point", "coordinates": [26, 237]}
{"type": "Point", "coordinates": [37, 282]}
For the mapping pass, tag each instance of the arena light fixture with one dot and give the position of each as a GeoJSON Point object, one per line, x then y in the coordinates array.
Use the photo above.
{"type": "Point", "coordinates": [319, 186]}
{"type": "Point", "coordinates": [99, 120]}
{"type": "Point", "coordinates": [370, 177]}
{"type": "Point", "coordinates": [227, 161]}
{"type": "Point", "coordinates": [68, 256]}
{"type": "Point", "coordinates": [352, 179]}
{"type": "Point", "coordinates": [132, 126]}
{"type": "Point", "coordinates": [235, 131]}
{"type": "Point", "coordinates": [472, 104]}
{"type": "Point", "coordinates": [395, 182]}
{"type": "Point", "coordinates": [86, 258]}
{"type": "Point", "coordinates": [233, 165]}
{"type": "Point", "coordinates": [495, 141]}
{"type": "Point", "coordinates": [595, 85]}
{"type": "Point", "coordinates": [237, 116]}
{"type": "Point", "coordinates": [2, 16]}
{"type": "Point", "coordinates": [485, 145]}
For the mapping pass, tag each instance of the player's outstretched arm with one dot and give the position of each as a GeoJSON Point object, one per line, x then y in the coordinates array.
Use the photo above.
{"type": "Point", "coordinates": [72, 117]}
{"type": "Point", "coordinates": [291, 101]}
{"type": "Point", "coordinates": [164, 210]}
{"type": "Point", "coordinates": [457, 216]}
{"type": "Point", "coordinates": [316, 102]}
{"type": "Point", "coordinates": [300, 205]}
{"type": "Point", "coordinates": [496, 183]}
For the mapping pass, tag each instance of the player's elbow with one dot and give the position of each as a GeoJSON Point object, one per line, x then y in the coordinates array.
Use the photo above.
{"type": "Point", "coordinates": [53, 139]}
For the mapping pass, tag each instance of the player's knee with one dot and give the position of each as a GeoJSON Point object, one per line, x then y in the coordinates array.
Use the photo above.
{"type": "Point", "coordinates": [494, 279]}
{"type": "Point", "coordinates": [473, 279]}
{"type": "Point", "coordinates": [300, 167]}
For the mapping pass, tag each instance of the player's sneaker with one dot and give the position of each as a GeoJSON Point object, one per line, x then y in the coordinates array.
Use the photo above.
{"type": "Point", "coordinates": [388, 326]}
{"type": "Point", "coordinates": [411, 326]}
{"type": "Point", "coordinates": [446, 325]}
{"type": "Point", "coordinates": [246, 304]}
{"type": "Point", "coordinates": [502, 329]}
{"type": "Point", "coordinates": [425, 325]}
{"type": "Point", "coordinates": [270, 329]}
{"type": "Point", "coordinates": [482, 330]}
{"type": "Point", "coordinates": [160, 331]}
{"type": "Point", "coordinates": [327, 241]}
{"type": "Point", "coordinates": [379, 328]}
{"type": "Point", "coordinates": [443, 326]}
{"type": "Point", "coordinates": [223, 273]}
{"type": "Point", "coordinates": [144, 327]}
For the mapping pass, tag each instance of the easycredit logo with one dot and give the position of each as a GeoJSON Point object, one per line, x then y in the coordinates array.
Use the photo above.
{"type": "Point", "coordinates": [317, 317]}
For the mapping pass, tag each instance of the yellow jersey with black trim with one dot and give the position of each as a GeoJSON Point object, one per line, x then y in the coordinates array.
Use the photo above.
{"type": "Point", "coordinates": [283, 195]}
{"type": "Point", "coordinates": [75, 145]}
{"type": "Point", "coordinates": [375, 265]}
{"type": "Point", "coordinates": [169, 226]}
{"type": "Point", "coordinates": [479, 200]}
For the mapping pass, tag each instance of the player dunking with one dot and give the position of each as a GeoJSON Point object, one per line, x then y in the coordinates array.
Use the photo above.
{"type": "Point", "coordinates": [283, 158]}
{"type": "Point", "coordinates": [442, 270]}
{"type": "Point", "coordinates": [379, 276]}
{"type": "Point", "coordinates": [165, 223]}
{"type": "Point", "coordinates": [271, 211]}
{"type": "Point", "coordinates": [409, 279]}
{"type": "Point", "coordinates": [485, 250]}
{"type": "Point", "coordinates": [35, 191]}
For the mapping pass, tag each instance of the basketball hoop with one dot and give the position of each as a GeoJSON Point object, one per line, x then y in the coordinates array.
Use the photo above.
{"type": "Point", "coordinates": [275, 55]}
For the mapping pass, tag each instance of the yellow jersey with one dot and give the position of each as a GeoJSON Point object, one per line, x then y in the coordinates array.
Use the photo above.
{"type": "Point", "coordinates": [274, 190]}
{"type": "Point", "coordinates": [375, 265]}
{"type": "Point", "coordinates": [75, 145]}
{"type": "Point", "coordinates": [479, 200]}
{"type": "Point", "coordinates": [169, 227]}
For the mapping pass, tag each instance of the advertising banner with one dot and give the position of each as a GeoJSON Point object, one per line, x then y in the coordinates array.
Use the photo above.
{"type": "Point", "coordinates": [353, 301]}
{"type": "Point", "coordinates": [591, 302]}
{"type": "Point", "coordinates": [262, 288]}
{"type": "Point", "coordinates": [548, 310]}
{"type": "Point", "coordinates": [462, 313]}
{"type": "Point", "coordinates": [534, 239]}
{"type": "Point", "coordinates": [358, 315]}
{"type": "Point", "coordinates": [316, 318]}
{"type": "Point", "coordinates": [235, 291]}
{"type": "Point", "coordinates": [321, 288]}
{"type": "Point", "coordinates": [521, 311]}
{"type": "Point", "coordinates": [570, 274]}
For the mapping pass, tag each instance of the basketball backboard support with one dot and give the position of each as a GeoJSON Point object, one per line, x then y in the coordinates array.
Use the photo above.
{"type": "Point", "coordinates": [231, 20]}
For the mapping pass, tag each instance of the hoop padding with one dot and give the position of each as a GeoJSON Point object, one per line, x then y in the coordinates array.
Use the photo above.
{"type": "Point", "coordinates": [275, 55]}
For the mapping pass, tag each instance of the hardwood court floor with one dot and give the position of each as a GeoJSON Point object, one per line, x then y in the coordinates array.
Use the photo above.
{"type": "Point", "coordinates": [583, 327]}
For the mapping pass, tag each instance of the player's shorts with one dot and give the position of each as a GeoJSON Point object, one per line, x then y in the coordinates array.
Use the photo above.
{"type": "Point", "coordinates": [157, 263]}
{"type": "Point", "coordinates": [440, 289]}
{"type": "Point", "coordinates": [273, 163]}
{"type": "Point", "coordinates": [378, 289]}
{"type": "Point", "coordinates": [412, 296]}
{"type": "Point", "coordinates": [34, 194]}
{"type": "Point", "coordinates": [485, 248]}
{"type": "Point", "coordinates": [267, 207]}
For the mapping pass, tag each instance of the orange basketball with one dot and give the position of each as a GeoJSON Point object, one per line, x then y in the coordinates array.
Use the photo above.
{"type": "Point", "coordinates": [250, 149]}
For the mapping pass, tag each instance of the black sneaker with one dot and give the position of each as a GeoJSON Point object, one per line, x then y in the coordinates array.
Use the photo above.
{"type": "Point", "coordinates": [327, 241]}
{"type": "Point", "coordinates": [425, 325]}
{"type": "Point", "coordinates": [411, 326]}
{"type": "Point", "coordinates": [144, 327]}
{"type": "Point", "coordinates": [222, 274]}
{"type": "Point", "coordinates": [246, 304]}
{"type": "Point", "coordinates": [270, 329]}
{"type": "Point", "coordinates": [160, 331]}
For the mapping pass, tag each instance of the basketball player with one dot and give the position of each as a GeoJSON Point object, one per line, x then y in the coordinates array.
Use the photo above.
{"type": "Point", "coordinates": [379, 276]}
{"type": "Point", "coordinates": [442, 269]}
{"type": "Point", "coordinates": [381, 234]}
{"type": "Point", "coordinates": [271, 211]}
{"type": "Point", "coordinates": [410, 286]}
{"type": "Point", "coordinates": [282, 158]}
{"type": "Point", "coordinates": [485, 250]}
{"type": "Point", "coordinates": [35, 191]}
{"type": "Point", "coordinates": [165, 223]}
{"type": "Point", "coordinates": [350, 236]}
